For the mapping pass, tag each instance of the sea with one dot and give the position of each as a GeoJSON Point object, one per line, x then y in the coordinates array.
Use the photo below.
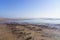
{"type": "Point", "coordinates": [48, 22]}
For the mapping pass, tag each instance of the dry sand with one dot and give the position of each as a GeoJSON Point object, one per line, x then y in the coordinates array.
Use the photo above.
{"type": "Point", "coordinates": [27, 32]}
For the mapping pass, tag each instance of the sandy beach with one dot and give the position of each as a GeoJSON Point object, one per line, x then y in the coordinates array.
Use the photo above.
{"type": "Point", "coordinates": [14, 31]}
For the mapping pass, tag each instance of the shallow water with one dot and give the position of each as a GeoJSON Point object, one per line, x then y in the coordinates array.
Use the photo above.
{"type": "Point", "coordinates": [37, 21]}
{"type": "Point", "coordinates": [50, 23]}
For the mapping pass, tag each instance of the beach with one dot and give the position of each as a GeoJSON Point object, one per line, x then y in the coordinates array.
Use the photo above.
{"type": "Point", "coordinates": [15, 31]}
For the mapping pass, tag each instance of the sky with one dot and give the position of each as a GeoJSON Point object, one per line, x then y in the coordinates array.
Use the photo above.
{"type": "Point", "coordinates": [30, 8]}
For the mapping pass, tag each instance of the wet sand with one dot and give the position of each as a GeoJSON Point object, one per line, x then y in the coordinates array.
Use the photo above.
{"type": "Point", "coordinates": [14, 31]}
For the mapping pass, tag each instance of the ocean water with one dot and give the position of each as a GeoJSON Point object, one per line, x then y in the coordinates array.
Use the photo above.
{"type": "Point", "coordinates": [39, 21]}
{"type": "Point", "coordinates": [36, 21]}
{"type": "Point", "coordinates": [50, 23]}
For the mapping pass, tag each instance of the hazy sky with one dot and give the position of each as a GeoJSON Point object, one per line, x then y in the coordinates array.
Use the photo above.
{"type": "Point", "coordinates": [30, 8]}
